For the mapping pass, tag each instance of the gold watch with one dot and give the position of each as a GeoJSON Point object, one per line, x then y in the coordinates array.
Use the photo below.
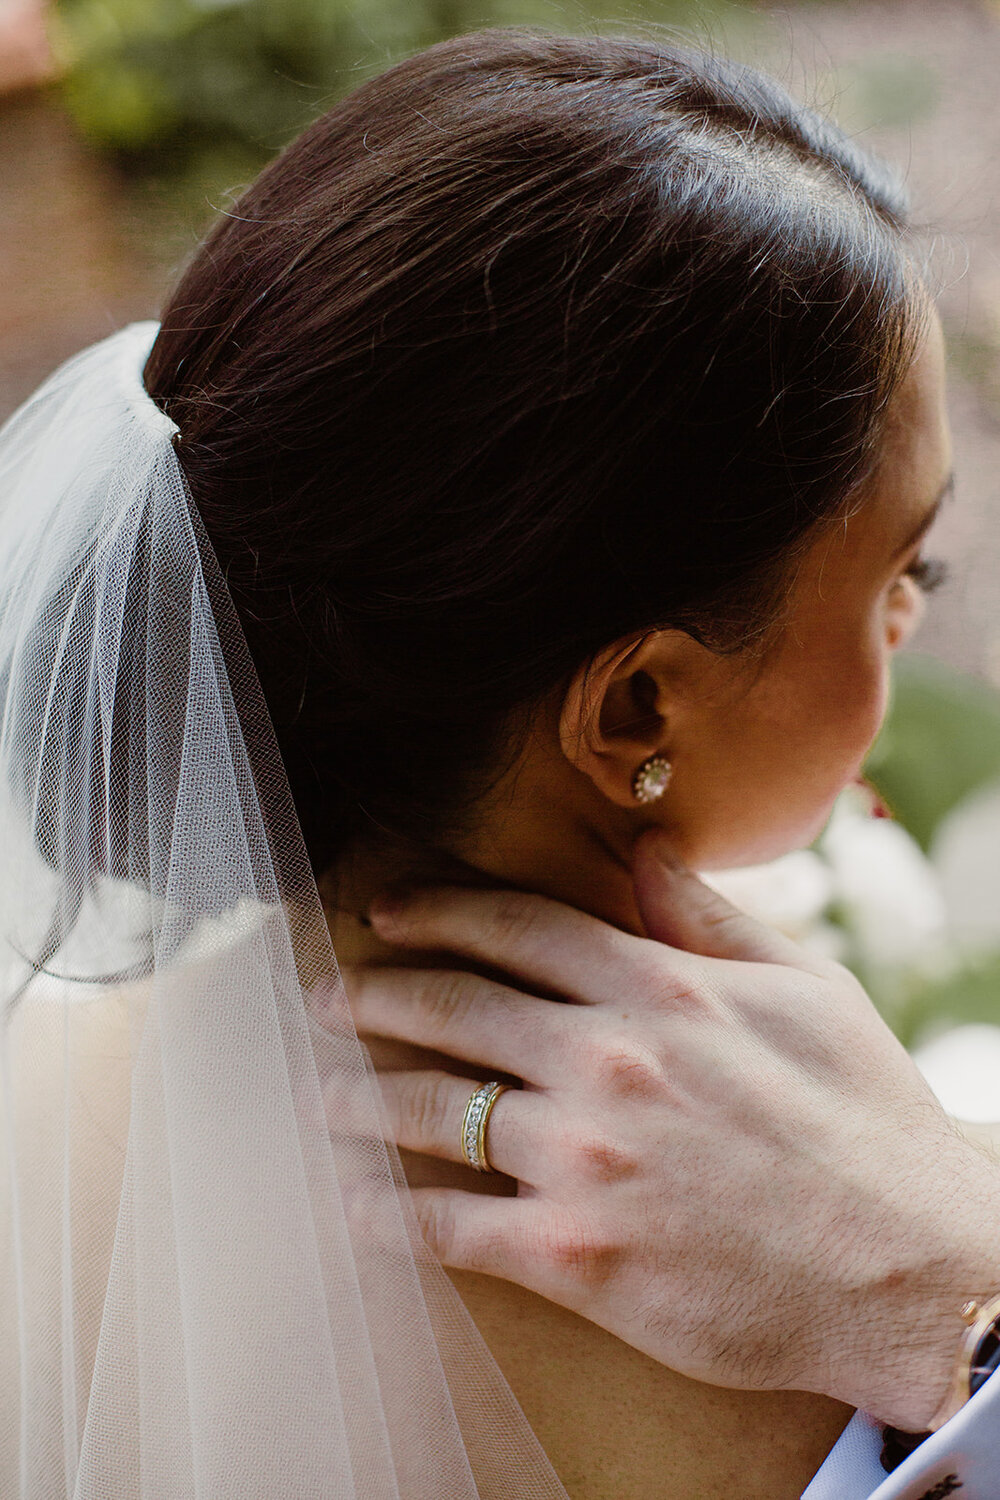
{"type": "Point", "coordinates": [978, 1357]}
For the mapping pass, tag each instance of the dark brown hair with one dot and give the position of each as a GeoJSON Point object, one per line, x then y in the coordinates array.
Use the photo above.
{"type": "Point", "coordinates": [529, 344]}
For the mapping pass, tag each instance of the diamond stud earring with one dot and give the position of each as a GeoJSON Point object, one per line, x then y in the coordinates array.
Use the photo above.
{"type": "Point", "coordinates": [652, 779]}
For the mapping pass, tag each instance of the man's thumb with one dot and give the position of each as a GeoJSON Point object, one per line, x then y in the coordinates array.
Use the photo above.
{"type": "Point", "coordinates": [678, 908]}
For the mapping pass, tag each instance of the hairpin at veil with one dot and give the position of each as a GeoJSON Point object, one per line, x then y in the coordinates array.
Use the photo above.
{"type": "Point", "coordinates": [189, 1303]}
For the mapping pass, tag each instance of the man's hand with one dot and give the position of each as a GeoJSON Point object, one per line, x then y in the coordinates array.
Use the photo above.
{"type": "Point", "coordinates": [724, 1156]}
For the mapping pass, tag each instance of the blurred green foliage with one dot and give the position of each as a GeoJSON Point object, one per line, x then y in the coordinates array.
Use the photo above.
{"type": "Point", "coordinates": [169, 78]}
{"type": "Point", "coordinates": [941, 741]}
{"type": "Point", "coordinates": [884, 90]}
{"type": "Point", "coordinates": [968, 997]}
{"type": "Point", "coordinates": [192, 97]}
{"type": "Point", "coordinates": [940, 744]}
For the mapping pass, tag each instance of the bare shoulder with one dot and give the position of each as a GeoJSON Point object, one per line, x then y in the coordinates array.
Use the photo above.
{"type": "Point", "coordinates": [72, 1055]}
{"type": "Point", "coordinates": [618, 1426]}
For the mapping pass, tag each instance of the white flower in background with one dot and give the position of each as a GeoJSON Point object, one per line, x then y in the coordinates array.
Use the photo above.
{"type": "Point", "coordinates": [792, 893]}
{"type": "Point", "coordinates": [789, 893]}
{"type": "Point", "coordinates": [868, 894]}
{"type": "Point", "coordinates": [963, 1068]}
{"type": "Point", "coordinates": [886, 891]}
{"type": "Point", "coordinates": [966, 859]}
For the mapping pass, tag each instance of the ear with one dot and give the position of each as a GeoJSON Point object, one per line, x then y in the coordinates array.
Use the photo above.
{"type": "Point", "coordinates": [616, 712]}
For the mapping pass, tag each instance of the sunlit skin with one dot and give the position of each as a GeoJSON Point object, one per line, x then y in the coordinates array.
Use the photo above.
{"type": "Point", "coordinates": [760, 749]}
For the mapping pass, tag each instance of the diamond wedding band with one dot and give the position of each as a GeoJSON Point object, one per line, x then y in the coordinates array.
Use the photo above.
{"type": "Point", "coordinates": [474, 1122]}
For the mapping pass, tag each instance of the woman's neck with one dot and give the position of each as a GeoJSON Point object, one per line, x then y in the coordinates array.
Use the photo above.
{"type": "Point", "coordinates": [573, 867]}
{"type": "Point", "coordinates": [538, 835]}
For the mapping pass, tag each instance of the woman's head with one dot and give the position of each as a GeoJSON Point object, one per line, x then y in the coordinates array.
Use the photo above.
{"type": "Point", "coordinates": [761, 746]}
{"type": "Point", "coordinates": [530, 349]}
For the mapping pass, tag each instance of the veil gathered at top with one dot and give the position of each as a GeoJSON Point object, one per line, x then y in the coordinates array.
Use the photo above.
{"type": "Point", "coordinates": [210, 1281]}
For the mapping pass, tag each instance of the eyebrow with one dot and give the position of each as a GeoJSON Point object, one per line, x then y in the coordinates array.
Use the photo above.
{"type": "Point", "coordinates": [930, 516]}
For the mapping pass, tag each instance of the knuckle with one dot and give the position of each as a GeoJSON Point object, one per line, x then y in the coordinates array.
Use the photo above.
{"type": "Point", "coordinates": [514, 918]}
{"type": "Point", "coordinates": [580, 1254]}
{"type": "Point", "coordinates": [678, 984]}
{"type": "Point", "coordinates": [445, 996]}
{"type": "Point", "coordinates": [439, 1227]}
{"type": "Point", "coordinates": [427, 1106]}
{"type": "Point", "coordinates": [457, 1244]}
{"type": "Point", "coordinates": [600, 1160]}
{"type": "Point", "coordinates": [628, 1068]}
{"type": "Point", "coordinates": [832, 973]}
{"type": "Point", "coordinates": [697, 994]}
{"type": "Point", "coordinates": [719, 918]}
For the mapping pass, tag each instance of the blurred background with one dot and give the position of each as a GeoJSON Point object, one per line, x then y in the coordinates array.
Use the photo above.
{"type": "Point", "coordinates": [125, 125]}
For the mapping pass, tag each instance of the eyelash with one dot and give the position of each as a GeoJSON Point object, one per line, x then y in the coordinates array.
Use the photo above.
{"type": "Point", "coordinates": [928, 573]}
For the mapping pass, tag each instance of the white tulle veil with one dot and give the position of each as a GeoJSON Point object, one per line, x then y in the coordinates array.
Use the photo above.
{"type": "Point", "coordinates": [210, 1283]}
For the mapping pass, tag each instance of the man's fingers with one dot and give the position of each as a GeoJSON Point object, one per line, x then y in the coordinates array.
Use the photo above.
{"type": "Point", "coordinates": [557, 1253]}
{"type": "Point", "coordinates": [463, 1015]}
{"type": "Point", "coordinates": [516, 1239]}
{"type": "Point", "coordinates": [425, 1112]}
{"type": "Point", "coordinates": [679, 909]}
{"type": "Point", "coordinates": [474, 1231]}
{"type": "Point", "coordinates": [555, 948]}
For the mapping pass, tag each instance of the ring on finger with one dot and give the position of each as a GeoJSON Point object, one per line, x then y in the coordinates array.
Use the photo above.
{"type": "Point", "coordinates": [474, 1123]}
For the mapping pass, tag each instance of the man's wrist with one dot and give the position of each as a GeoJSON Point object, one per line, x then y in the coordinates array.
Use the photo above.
{"type": "Point", "coordinates": [978, 1358]}
{"type": "Point", "coordinates": [917, 1339]}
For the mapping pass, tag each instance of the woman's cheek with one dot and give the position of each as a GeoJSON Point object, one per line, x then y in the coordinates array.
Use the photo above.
{"type": "Point", "coordinates": [857, 692]}
{"type": "Point", "coordinates": [870, 706]}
